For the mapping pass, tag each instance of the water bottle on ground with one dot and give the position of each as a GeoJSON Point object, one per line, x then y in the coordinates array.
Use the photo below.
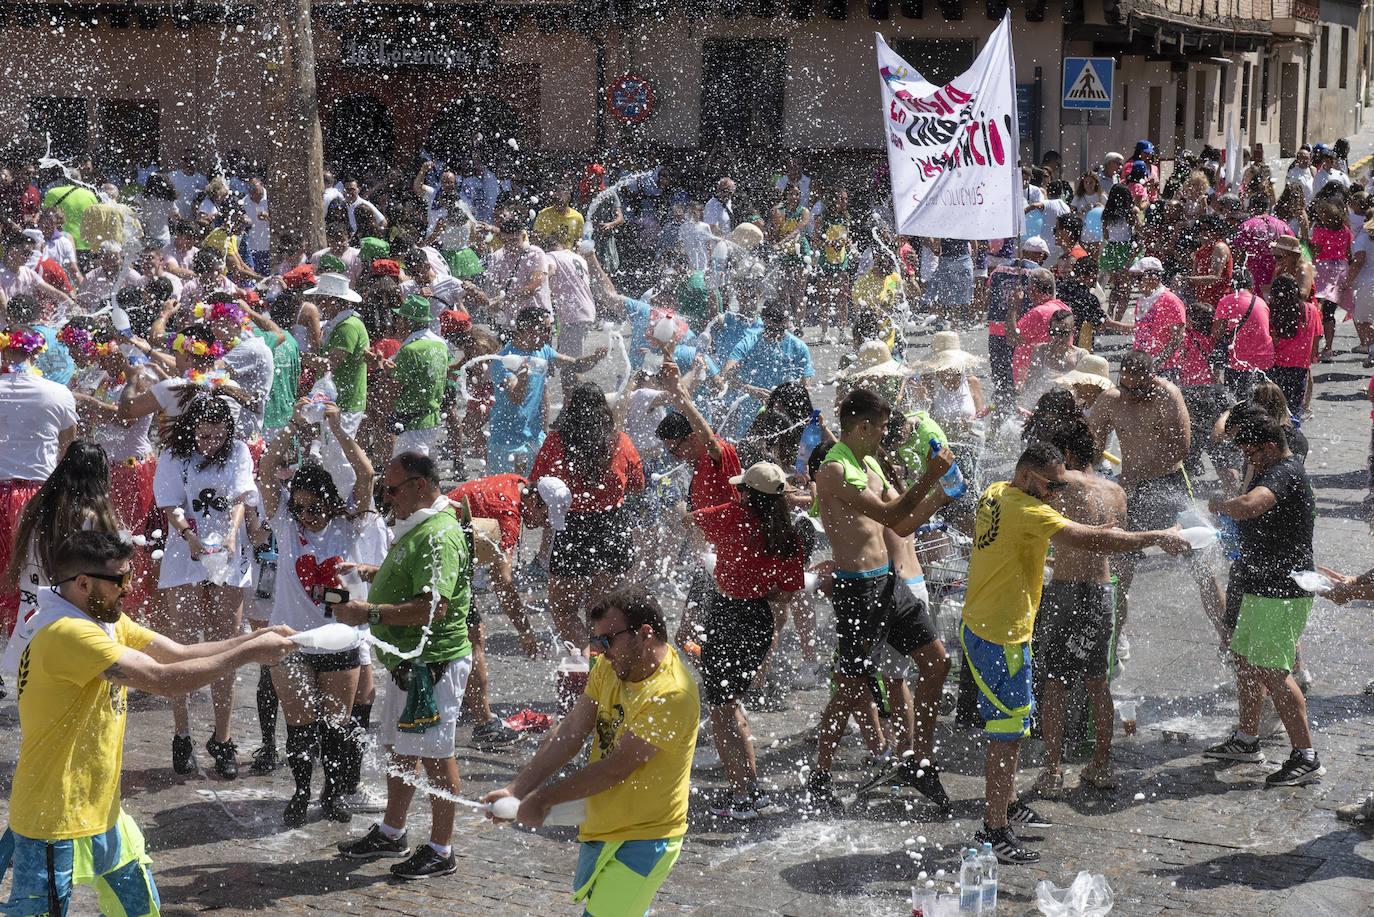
{"type": "Point", "coordinates": [989, 861]}
{"type": "Point", "coordinates": [952, 481]}
{"type": "Point", "coordinates": [970, 883]}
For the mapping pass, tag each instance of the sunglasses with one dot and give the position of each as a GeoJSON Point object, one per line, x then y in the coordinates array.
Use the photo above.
{"type": "Point", "coordinates": [602, 642]}
{"type": "Point", "coordinates": [390, 489]}
{"type": "Point", "coordinates": [123, 579]}
{"type": "Point", "coordinates": [1051, 485]}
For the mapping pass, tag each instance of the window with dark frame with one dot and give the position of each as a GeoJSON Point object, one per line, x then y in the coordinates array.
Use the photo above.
{"type": "Point", "coordinates": [742, 97]}
{"type": "Point", "coordinates": [1324, 57]}
{"type": "Point", "coordinates": [65, 120]}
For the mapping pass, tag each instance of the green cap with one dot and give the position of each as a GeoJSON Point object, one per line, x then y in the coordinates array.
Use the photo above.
{"type": "Point", "coordinates": [332, 264]}
{"type": "Point", "coordinates": [463, 263]}
{"type": "Point", "coordinates": [416, 309]}
{"type": "Point", "coordinates": [370, 249]}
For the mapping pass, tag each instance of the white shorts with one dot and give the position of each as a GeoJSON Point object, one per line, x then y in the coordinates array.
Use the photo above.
{"type": "Point", "coordinates": [421, 441]}
{"type": "Point", "coordinates": [889, 662]}
{"type": "Point", "coordinates": [437, 741]}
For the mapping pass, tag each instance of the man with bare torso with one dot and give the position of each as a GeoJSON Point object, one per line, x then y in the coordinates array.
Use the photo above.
{"type": "Point", "coordinates": [1151, 420]}
{"type": "Point", "coordinates": [1073, 628]}
{"type": "Point", "coordinates": [872, 604]}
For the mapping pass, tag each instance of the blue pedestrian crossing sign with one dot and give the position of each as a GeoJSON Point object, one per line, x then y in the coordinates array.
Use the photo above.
{"type": "Point", "coordinates": [1088, 82]}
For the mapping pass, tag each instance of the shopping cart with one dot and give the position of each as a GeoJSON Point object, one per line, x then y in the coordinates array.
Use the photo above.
{"type": "Point", "coordinates": [944, 555]}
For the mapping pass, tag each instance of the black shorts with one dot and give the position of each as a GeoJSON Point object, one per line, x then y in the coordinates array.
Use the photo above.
{"type": "Point", "coordinates": [1073, 630]}
{"type": "Point", "coordinates": [738, 635]}
{"type": "Point", "coordinates": [1328, 310]}
{"type": "Point", "coordinates": [474, 616]}
{"type": "Point", "coordinates": [326, 662]}
{"type": "Point", "coordinates": [873, 608]}
{"type": "Point", "coordinates": [593, 543]}
{"type": "Point", "coordinates": [1156, 503]}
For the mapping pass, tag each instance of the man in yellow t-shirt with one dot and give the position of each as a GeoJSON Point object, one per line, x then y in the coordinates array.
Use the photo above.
{"type": "Point", "coordinates": [643, 704]}
{"type": "Point", "coordinates": [560, 218]}
{"type": "Point", "coordinates": [79, 652]}
{"type": "Point", "coordinates": [1014, 527]}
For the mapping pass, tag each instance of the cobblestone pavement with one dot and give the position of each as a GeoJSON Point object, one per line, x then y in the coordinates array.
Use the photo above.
{"type": "Point", "coordinates": [1179, 835]}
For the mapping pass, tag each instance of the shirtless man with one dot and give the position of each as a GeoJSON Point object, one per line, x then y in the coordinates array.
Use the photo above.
{"type": "Point", "coordinates": [1073, 628]}
{"type": "Point", "coordinates": [871, 603]}
{"type": "Point", "coordinates": [1151, 420]}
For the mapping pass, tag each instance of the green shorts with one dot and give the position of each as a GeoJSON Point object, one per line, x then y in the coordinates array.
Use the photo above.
{"type": "Point", "coordinates": [620, 878]}
{"type": "Point", "coordinates": [1267, 630]}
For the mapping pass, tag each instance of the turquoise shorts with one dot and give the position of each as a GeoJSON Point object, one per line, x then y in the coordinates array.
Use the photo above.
{"type": "Point", "coordinates": [114, 862]}
{"type": "Point", "coordinates": [620, 878]}
{"type": "Point", "coordinates": [1003, 675]}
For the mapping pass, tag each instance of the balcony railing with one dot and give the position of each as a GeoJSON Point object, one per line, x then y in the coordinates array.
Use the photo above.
{"type": "Point", "coordinates": [1296, 9]}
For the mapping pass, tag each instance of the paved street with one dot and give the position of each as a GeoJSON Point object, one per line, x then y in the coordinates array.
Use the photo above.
{"type": "Point", "coordinates": [1179, 835]}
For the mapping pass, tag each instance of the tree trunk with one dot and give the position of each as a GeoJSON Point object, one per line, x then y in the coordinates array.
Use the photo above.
{"type": "Point", "coordinates": [295, 181]}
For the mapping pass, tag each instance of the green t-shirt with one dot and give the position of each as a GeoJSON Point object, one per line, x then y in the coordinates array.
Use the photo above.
{"type": "Point", "coordinates": [281, 400]}
{"type": "Point", "coordinates": [72, 205]}
{"type": "Point", "coordinates": [351, 377]}
{"type": "Point", "coordinates": [422, 371]}
{"type": "Point", "coordinates": [434, 556]}
{"type": "Point", "coordinates": [694, 300]}
{"type": "Point", "coordinates": [916, 449]}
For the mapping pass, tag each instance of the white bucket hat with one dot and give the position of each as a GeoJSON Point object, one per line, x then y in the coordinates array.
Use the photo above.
{"type": "Point", "coordinates": [335, 286]}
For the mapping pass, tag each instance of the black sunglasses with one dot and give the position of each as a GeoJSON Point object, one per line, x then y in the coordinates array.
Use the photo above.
{"type": "Point", "coordinates": [603, 641]}
{"type": "Point", "coordinates": [390, 489]}
{"type": "Point", "coordinates": [123, 579]}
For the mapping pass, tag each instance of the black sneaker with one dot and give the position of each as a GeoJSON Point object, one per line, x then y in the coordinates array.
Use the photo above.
{"type": "Point", "coordinates": [1236, 749]}
{"type": "Point", "coordinates": [375, 844]}
{"type": "Point", "coordinates": [1296, 771]}
{"type": "Point", "coordinates": [183, 755]}
{"type": "Point", "coordinates": [294, 815]}
{"type": "Point", "coordinates": [728, 805]}
{"type": "Point", "coordinates": [424, 863]}
{"type": "Point", "coordinates": [820, 793]}
{"type": "Point", "coordinates": [1022, 815]}
{"type": "Point", "coordinates": [922, 776]}
{"type": "Point", "coordinates": [265, 760]}
{"type": "Point", "coordinates": [335, 807]}
{"type": "Point", "coordinates": [1006, 846]}
{"type": "Point", "coordinates": [226, 764]}
{"type": "Point", "coordinates": [494, 733]}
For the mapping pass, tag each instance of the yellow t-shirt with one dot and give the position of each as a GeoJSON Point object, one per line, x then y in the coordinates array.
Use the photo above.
{"type": "Point", "coordinates": [567, 226]}
{"type": "Point", "coordinates": [663, 710]}
{"type": "Point", "coordinates": [66, 784]}
{"type": "Point", "coordinates": [875, 291]}
{"type": "Point", "coordinates": [1011, 535]}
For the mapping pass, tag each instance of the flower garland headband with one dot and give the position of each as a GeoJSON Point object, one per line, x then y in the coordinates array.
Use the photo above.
{"type": "Point", "coordinates": [195, 346]}
{"type": "Point", "coordinates": [220, 311]}
{"type": "Point", "coordinates": [29, 342]}
{"type": "Point", "coordinates": [82, 341]}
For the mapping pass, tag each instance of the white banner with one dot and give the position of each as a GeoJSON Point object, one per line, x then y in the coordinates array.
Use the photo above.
{"type": "Point", "coordinates": [952, 149]}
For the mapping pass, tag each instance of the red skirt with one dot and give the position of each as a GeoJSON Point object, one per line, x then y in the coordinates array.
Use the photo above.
{"type": "Point", "coordinates": [131, 492]}
{"type": "Point", "coordinates": [14, 494]}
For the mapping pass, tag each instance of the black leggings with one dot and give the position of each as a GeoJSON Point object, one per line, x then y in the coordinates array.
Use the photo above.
{"type": "Point", "coordinates": [1293, 381]}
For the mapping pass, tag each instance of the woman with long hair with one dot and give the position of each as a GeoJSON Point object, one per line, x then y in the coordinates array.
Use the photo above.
{"type": "Point", "coordinates": [1120, 225]}
{"type": "Point", "coordinates": [204, 482]}
{"type": "Point", "coordinates": [1087, 192]}
{"type": "Point", "coordinates": [758, 562]}
{"type": "Point", "coordinates": [75, 497]}
{"type": "Point", "coordinates": [1296, 326]}
{"type": "Point", "coordinates": [317, 530]}
{"type": "Point", "coordinates": [593, 546]}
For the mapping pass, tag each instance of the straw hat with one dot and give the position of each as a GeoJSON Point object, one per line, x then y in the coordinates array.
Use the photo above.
{"type": "Point", "coordinates": [946, 355]}
{"type": "Point", "coordinates": [874, 359]}
{"type": "Point", "coordinates": [746, 235]}
{"type": "Point", "coordinates": [1289, 244]}
{"type": "Point", "coordinates": [1091, 370]}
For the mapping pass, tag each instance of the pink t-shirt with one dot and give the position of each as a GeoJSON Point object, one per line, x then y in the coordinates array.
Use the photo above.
{"type": "Point", "coordinates": [1331, 244]}
{"type": "Point", "coordinates": [1253, 239]}
{"type": "Point", "coordinates": [1153, 327]}
{"type": "Point", "coordinates": [21, 282]}
{"type": "Point", "coordinates": [1297, 350]}
{"type": "Point", "coordinates": [1033, 329]}
{"type": "Point", "coordinates": [1253, 348]}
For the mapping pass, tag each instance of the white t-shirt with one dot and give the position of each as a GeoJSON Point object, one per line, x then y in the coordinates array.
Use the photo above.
{"type": "Point", "coordinates": [206, 496]}
{"type": "Point", "coordinates": [803, 185]}
{"type": "Point", "coordinates": [352, 266]}
{"type": "Point", "coordinates": [188, 186]}
{"type": "Point", "coordinates": [259, 238]}
{"type": "Point", "coordinates": [331, 195]}
{"type": "Point", "coordinates": [1303, 178]}
{"type": "Point", "coordinates": [156, 213]}
{"type": "Point", "coordinates": [23, 281]}
{"type": "Point", "coordinates": [641, 421]}
{"type": "Point", "coordinates": [313, 555]}
{"type": "Point", "coordinates": [192, 291]}
{"type": "Point", "coordinates": [177, 286]}
{"type": "Point", "coordinates": [174, 258]}
{"type": "Point", "coordinates": [33, 411]}
{"type": "Point", "coordinates": [1054, 209]}
{"type": "Point", "coordinates": [99, 285]}
{"type": "Point", "coordinates": [718, 216]}
{"type": "Point", "coordinates": [570, 287]}
{"type": "Point", "coordinates": [61, 249]}
{"type": "Point", "coordinates": [696, 241]}
{"type": "Point", "coordinates": [366, 205]}
{"type": "Point", "coordinates": [444, 293]}
{"type": "Point", "coordinates": [120, 442]}
{"type": "Point", "coordinates": [168, 394]}
{"type": "Point", "coordinates": [1323, 176]}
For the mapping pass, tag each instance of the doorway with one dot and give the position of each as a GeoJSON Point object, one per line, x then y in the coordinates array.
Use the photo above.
{"type": "Point", "coordinates": [1156, 115]}
{"type": "Point", "coordinates": [129, 132]}
{"type": "Point", "coordinates": [1289, 86]}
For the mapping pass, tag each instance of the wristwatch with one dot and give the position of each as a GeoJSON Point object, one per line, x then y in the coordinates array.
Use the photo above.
{"type": "Point", "coordinates": [374, 615]}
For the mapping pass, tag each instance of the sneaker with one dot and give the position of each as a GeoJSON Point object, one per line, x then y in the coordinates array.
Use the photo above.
{"type": "Point", "coordinates": [494, 733]}
{"type": "Point", "coordinates": [820, 793]}
{"type": "Point", "coordinates": [375, 844]}
{"type": "Point", "coordinates": [226, 764]}
{"type": "Point", "coordinates": [1326, 357]}
{"type": "Point", "coordinates": [1360, 812]}
{"type": "Point", "coordinates": [1023, 816]}
{"type": "Point", "coordinates": [366, 800]}
{"type": "Point", "coordinates": [335, 807]}
{"type": "Point", "coordinates": [183, 755]}
{"type": "Point", "coordinates": [763, 803]}
{"type": "Point", "coordinates": [1233, 749]}
{"type": "Point", "coordinates": [1102, 778]}
{"type": "Point", "coordinates": [265, 760]}
{"type": "Point", "coordinates": [294, 815]}
{"type": "Point", "coordinates": [1296, 771]}
{"type": "Point", "coordinates": [424, 863]}
{"type": "Point", "coordinates": [1006, 846]}
{"type": "Point", "coordinates": [882, 761]}
{"type": "Point", "coordinates": [1049, 785]}
{"type": "Point", "coordinates": [728, 805]}
{"type": "Point", "coordinates": [1123, 648]}
{"type": "Point", "coordinates": [923, 776]}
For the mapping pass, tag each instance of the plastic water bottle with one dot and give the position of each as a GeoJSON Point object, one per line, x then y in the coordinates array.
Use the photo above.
{"type": "Point", "coordinates": [572, 812]}
{"type": "Point", "coordinates": [952, 481]}
{"type": "Point", "coordinates": [810, 439]}
{"type": "Point", "coordinates": [323, 392]}
{"type": "Point", "coordinates": [1229, 535]}
{"type": "Point", "coordinates": [970, 883]}
{"type": "Point", "coordinates": [989, 861]}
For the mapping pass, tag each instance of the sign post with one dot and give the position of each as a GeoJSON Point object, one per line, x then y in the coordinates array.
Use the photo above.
{"type": "Point", "coordinates": [1088, 84]}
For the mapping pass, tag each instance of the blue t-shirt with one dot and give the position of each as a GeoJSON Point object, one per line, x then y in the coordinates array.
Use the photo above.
{"type": "Point", "coordinates": [517, 424]}
{"type": "Point", "coordinates": [768, 364]}
{"type": "Point", "coordinates": [55, 362]}
{"type": "Point", "coordinates": [732, 328]}
{"type": "Point", "coordinates": [637, 313]}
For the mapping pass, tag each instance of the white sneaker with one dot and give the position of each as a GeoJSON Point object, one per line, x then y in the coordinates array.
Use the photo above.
{"type": "Point", "coordinates": [366, 800]}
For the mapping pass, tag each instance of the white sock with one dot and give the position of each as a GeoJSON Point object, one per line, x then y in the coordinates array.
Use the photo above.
{"type": "Point", "coordinates": [1308, 754]}
{"type": "Point", "coordinates": [183, 735]}
{"type": "Point", "coordinates": [443, 851]}
{"type": "Point", "coordinates": [1246, 737]}
{"type": "Point", "coordinates": [391, 832]}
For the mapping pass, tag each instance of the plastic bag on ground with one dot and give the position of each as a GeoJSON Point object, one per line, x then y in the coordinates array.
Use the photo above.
{"type": "Point", "coordinates": [1088, 896]}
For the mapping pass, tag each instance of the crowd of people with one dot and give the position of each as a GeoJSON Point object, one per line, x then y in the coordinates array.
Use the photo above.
{"type": "Point", "coordinates": [206, 421]}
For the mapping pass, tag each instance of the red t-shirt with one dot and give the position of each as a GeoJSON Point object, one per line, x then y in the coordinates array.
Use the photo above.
{"type": "Point", "coordinates": [1034, 328]}
{"type": "Point", "coordinates": [1152, 329]}
{"type": "Point", "coordinates": [1297, 350]}
{"type": "Point", "coordinates": [711, 482]}
{"type": "Point", "coordinates": [743, 569]}
{"type": "Point", "coordinates": [497, 496]}
{"type": "Point", "coordinates": [52, 274]}
{"type": "Point", "coordinates": [625, 472]}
